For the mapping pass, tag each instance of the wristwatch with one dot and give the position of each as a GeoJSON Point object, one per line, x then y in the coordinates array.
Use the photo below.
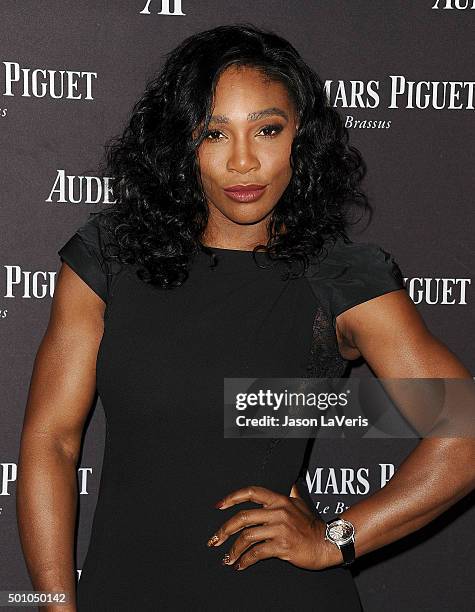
{"type": "Point", "coordinates": [342, 534]}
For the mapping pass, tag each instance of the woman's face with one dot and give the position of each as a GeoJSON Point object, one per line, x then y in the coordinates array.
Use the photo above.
{"type": "Point", "coordinates": [248, 142]}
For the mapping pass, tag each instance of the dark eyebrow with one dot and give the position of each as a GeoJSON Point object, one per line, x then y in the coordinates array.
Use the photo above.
{"type": "Point", "coordinates": [261, 114]}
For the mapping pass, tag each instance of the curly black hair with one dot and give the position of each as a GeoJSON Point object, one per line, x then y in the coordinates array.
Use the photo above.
{"type": "Point", "coordinates": [160, 210]}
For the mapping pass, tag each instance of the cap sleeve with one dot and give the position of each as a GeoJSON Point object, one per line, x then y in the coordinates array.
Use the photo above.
{"type": "Point", "coordinates": [354, 273]}
{"type": "Point", "coordinates": [83, 252]}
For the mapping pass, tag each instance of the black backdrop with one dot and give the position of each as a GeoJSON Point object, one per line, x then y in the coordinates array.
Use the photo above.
{"type": "Point", "coordinates": [412, 63]}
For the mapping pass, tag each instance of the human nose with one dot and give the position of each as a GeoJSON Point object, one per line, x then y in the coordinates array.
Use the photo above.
{"type": "Point", "coordinates": [242, 157]}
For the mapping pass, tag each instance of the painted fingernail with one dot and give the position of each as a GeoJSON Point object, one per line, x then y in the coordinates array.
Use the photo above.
{"type": "Point", "coordinates": [219, 503]}
{"type": "Point", "coordinates": [212, 541]}
{"type": "Point", "coordinates": [236, 566]}
{"type": "Point", "coordinates": [226, 559]}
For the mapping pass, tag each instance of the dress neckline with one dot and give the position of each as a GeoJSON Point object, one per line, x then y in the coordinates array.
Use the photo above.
{"type": "Point", "coordinates": [233, 259]}
{"type": "Point", "coordinates": [230, 250]}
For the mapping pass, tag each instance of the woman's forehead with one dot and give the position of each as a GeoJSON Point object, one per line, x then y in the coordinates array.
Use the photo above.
{"type": "Point", "coordinates": [249, 93]}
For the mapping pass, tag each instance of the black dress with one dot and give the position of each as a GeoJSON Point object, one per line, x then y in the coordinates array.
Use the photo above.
{"type": "Point", "coordinates": [160, 370]}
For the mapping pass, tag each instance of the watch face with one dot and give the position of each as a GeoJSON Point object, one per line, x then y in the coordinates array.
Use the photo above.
{"type": "Point", "coordinates": [340, 532]}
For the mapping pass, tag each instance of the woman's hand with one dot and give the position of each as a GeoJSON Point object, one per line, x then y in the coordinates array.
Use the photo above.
{"type": "Point", "coordinates": [284, 527]}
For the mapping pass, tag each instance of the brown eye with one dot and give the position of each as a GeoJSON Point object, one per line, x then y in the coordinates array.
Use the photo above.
{"type": "Point", "coordinates": [211, 135]}
{"type": "Point", "coordinates": [272, 128]}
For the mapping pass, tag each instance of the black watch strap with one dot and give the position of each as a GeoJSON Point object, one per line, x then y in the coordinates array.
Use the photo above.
{"type": "Point", "coordinates": [348, 552]}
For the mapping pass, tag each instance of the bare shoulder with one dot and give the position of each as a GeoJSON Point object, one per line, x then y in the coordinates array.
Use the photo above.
{"type": "Point", "coordinates": [391, 335]}
{"type": "Point", "coordinates": [382, 318]}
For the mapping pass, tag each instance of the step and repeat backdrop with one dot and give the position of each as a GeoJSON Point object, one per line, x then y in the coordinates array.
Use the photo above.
{"type": "Point", "coordinates": [401, 74]}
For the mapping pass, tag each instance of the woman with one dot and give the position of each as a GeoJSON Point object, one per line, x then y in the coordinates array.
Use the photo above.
{"type": "Point", "coordinates": [232, 149]}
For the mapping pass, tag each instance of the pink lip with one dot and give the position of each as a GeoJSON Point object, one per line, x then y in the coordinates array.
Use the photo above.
{"type": "Point", "coordinates": [244, 193]}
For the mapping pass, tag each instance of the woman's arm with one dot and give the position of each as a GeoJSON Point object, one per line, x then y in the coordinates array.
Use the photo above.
{"type": "Point", "coordinates": [61, 391]}
{"type": "Point", "coordinates": [390, 334]}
